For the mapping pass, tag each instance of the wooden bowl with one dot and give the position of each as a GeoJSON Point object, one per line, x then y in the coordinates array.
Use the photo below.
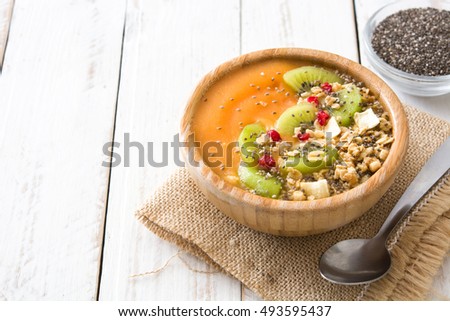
{"type": "Point", "coordinates": [298, 218]}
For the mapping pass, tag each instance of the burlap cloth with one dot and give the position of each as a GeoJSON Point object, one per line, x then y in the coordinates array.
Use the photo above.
{"type": "Point", "coordinates": [281, 268]}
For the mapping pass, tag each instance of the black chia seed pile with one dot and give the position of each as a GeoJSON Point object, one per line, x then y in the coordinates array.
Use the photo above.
{"type": "Point", "coordinates": [415, 40]}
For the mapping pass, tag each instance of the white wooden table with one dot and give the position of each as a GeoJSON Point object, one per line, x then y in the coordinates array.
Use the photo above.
{"type": "Point", "coordinates": [79, 74]}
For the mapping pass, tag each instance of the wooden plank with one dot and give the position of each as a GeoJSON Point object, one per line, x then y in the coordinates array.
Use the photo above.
{"type": "Point", "coordinates": [249, 295]}
{"type": "Point", "coordinates": [168, 46]}
{"type": "Point", "coordinates": [440, 289]}
{"type": "Point", "coordinates": [318, 24]}
{"type": "Point", "coordinates": [437, 106]}
{"type": "Point", "coordinates": [59, 88]}
{"type": "Point", "coordinates": [290, 23]}
{"type": "Point", "coordinates": [6, 9]}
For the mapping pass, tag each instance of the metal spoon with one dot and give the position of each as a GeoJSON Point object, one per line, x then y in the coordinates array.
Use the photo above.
{"type": "Point", "coordinates": [360, 260]}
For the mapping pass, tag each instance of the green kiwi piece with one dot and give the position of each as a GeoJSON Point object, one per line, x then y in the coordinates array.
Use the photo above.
{"type": "Point", "coordinates": [302, 164]}
{"type": "Point", "coordinates": [253, 179]}
{"type": "Point", "coordinates": [247, 144]}
{"type": "Point", "coordinates": [305, 166]}
{"type": "Point", "coordinates": [294, 116]}
{"type": "Point", "coordinates": [303, 78]}
{"type": "Point", "coordinates": [350, 99]}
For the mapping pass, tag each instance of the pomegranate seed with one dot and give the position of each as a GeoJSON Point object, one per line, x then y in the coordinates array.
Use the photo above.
{"type": "Point", "coordinates": [313, 99]}
{"type": "Point", "coordinates": [322, 117]}
{"type": "Point", "coordinates": [326, 87]}
{"type": "Point", "coordinates": [267, 162]}
{"type": "Point", "coordinates": [303, 137]}
{"type": "Point", "coordinates": [274, 135]}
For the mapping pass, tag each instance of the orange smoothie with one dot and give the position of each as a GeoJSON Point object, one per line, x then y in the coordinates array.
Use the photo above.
{"type": "Point", "coordinates": [255, 93]}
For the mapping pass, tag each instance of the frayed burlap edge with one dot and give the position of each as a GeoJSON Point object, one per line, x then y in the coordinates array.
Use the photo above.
{"type": "Point", "coordinates": [178, 240]}
{"type": "Point", "coordinates": [418, 250]}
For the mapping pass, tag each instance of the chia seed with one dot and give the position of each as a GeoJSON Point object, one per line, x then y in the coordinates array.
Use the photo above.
{"type": "Point", "coordinates": [415, 40]}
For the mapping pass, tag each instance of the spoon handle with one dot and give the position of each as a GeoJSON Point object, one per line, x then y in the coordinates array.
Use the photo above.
{"type": "Point", "coordinates": [435, 168]}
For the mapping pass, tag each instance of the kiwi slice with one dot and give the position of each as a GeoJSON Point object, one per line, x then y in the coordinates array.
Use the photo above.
{"type": "Point", "coordinates": [247, 145]}
{"type": "Point", "coordinates": [305, 166]}
{"type": "Point", "coordinates": [303, 78]}
{"type": "Point", "coordinates": [350, 99]}
{"type": "Point", "coordinates": [253, 179]}
{"type": "Point", "coordinates": [301, 164]}
{"type": "Point", "coordinates": [294, 116]}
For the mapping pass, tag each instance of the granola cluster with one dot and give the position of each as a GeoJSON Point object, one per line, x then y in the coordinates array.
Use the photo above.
{"type": "Point", "coordinates": [353, 153]}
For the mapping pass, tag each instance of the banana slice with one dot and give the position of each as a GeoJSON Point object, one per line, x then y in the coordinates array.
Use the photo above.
{"type": "Point", "coordinates": [366, 119]}
{"type": "Point", "coordinates": [332, 127]}
{"type": "Point", "coordinates": [317, 189]}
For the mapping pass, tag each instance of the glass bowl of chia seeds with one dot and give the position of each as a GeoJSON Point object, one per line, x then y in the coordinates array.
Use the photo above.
{"type": "Point", "coordinates": [408, 43]}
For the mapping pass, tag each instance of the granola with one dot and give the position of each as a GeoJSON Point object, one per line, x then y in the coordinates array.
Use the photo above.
{"type": "Point", "coordinates": [332, 152]}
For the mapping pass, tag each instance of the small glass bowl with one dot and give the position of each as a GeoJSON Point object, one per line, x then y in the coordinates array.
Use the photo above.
{"type": "Point", "coordinates": [410, 83]}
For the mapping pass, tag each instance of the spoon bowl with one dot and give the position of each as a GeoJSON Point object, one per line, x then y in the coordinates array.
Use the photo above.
{"type": "Point", "coordinates": [355, 261]}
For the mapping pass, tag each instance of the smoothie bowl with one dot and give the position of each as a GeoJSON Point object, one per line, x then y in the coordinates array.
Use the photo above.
{"type": "Point", "coordinates": [293, 141]}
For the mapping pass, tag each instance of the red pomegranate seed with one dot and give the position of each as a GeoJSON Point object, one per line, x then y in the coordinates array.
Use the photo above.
{"type": "Point", "coordinates": [303, 137]}
{"type": "Point", "coordinates": [267, 162]}
{"type": "Point", "coordinates": [322, 117]}
{"type": "Point", "coordinates": [274, 135]}
{"type": "Point", "coordinates": [326, 87]}
{"type": "Point", "coordinates": [313, 99]}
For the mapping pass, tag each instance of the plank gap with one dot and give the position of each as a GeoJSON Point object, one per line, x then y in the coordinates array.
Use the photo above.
{"type": "Point", "coordinates": [103, 229]}
{"type": "Point", "coordinates": [6, 12]}
{"type": "Point", "coordinates": [355, 21]}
